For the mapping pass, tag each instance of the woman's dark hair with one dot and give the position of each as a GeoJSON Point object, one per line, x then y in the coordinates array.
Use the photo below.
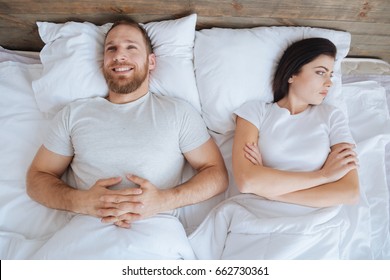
{"type": "Point", "coordinates": [295, 56]}
{"type": "Point", "coordinates": [136, 25]}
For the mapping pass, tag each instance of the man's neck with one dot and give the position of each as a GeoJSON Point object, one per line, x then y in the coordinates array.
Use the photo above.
{"type": "Point", "coordinates": [122, 98]}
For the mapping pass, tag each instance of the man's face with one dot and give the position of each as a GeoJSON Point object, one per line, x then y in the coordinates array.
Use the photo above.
{"type": "Point", "coordinates": [126, 61]}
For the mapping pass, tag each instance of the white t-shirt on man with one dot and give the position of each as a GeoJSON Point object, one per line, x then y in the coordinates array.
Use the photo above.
{"type": "Point", "coordinates": [146, 138]}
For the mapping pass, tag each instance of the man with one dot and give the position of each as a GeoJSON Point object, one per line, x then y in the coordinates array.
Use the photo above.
{"type": "Point", "coordinates": [127, 150]}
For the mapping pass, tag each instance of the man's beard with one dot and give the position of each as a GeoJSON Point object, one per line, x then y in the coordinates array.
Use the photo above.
{"type": "Point", "coordinates": [124, 85]}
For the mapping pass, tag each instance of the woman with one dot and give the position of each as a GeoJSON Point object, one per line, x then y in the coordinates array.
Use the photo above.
{"type": "Point", "coordinates": [297, 149]}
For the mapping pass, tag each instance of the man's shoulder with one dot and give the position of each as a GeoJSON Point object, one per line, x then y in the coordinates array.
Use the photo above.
{"type": "Point", "coordinates": [173, 102]}
{"type": "Point", "coordinates": [81, 102]}
{"type": "Point", "coordinates": [86, 100]}
{"type": "Point", "coordinates": [78, 105]}
{"type": "Point", "coordinates": [165, 98]}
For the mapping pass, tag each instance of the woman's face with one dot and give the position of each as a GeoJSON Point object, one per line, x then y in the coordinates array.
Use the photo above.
{"type": "Point", "coordinates": [311, 84]}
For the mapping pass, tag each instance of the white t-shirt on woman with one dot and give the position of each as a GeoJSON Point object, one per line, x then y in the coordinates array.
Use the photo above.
{"type": "Point", "coordinates": [299, 142]}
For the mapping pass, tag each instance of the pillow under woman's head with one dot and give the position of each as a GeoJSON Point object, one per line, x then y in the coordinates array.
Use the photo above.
{"type": "Point", "coordinates": [234, 66]}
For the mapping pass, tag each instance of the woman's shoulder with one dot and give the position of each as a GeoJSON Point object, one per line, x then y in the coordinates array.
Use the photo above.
{"type": "Point", "coordinates": [256, 105]}
{"type": "Point", "coordinates": [253, 111]}
{"type": "Point", "coordinates": [329, 108]}
{"type": "Point", "coordinates": [329, 111]}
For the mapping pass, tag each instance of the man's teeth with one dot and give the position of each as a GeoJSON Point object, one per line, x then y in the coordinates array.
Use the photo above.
{"type": "Point", "coordinates": [122, 69]}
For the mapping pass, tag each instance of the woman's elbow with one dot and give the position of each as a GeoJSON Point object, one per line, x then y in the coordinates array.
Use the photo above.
{"type": "Point", "coordinates": [246, 184]}
{"type": "Point", "coordinates": [242, 186]}
{"type": "Point", "coordinates": [353, 194]}
{"type": "Point", "coordinates": [241, 182]}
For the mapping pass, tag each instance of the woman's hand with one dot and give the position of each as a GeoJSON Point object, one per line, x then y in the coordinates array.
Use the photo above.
{"type": "Point", "coordinates": [252, 153]}
{"type": "Point", "coordinates": [340, 161]}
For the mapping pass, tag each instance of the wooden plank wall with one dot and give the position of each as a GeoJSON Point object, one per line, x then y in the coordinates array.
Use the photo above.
{"type": "Point", "coordinates": [367, 20]}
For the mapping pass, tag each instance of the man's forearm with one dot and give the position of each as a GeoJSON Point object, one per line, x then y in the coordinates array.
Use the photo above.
{"type": "Point", "coordinates": [51, 191]}
{"type": "Point", "coordinates": [202, 186]}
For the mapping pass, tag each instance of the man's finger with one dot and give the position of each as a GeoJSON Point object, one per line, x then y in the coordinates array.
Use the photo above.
{"type": "Point", "coordinates": [109, 181]}
{"type": "Point", "coordinates": [118, 196]}
{"type": "Point", "coordinates": [135, 179]}
{"type": "Point", "coordinates": [123, 224]}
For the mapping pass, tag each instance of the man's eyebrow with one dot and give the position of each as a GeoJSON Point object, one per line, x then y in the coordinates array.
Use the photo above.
{"type": "Point", "coordinates": [127, 41]}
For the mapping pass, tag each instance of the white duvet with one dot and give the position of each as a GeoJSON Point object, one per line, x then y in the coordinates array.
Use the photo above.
{"type": "Point", "coordinates": [244, 227]}
{"type": "Point", "coordinates": [161, 237]}
{"type": "Point", "coordinates": [250, 227]}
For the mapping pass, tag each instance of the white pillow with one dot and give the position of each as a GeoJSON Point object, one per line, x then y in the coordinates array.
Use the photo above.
{"type": "Point", "coordinates": [233, 66]}
{"type": "Point", "coordinates": [73, 55]}
{"type": "Point", "coordinates": [19, 56]}
{"type": "Point", "coordinates": [22, 125]}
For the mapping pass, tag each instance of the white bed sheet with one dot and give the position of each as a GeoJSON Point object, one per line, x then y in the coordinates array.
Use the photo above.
{"type": "Point", "coordinates": [357, 69]}
{"type": "Point", "coordinates": [25, 226]}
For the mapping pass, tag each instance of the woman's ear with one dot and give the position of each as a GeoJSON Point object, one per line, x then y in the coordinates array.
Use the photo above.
{"type": "Point", "coordinates": [290, 80]}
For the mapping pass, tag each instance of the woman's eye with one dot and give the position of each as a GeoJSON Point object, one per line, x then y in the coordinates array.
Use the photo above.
{"type": "Point", "coordinates": [321, 73]}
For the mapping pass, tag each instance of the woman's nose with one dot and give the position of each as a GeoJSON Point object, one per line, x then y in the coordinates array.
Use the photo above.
{"type": "Point", "coordinates": [329, 82]}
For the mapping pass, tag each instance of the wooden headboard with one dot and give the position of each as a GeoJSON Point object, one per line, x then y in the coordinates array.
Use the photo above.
{"type": "Point", "coordinates": [368, 21]}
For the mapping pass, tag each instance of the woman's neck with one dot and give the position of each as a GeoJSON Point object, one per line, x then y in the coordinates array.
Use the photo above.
{"type": "Point", "coordinates": [294, 106]}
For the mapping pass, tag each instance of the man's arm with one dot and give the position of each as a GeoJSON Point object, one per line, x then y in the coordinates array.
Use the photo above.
{"type": "Point", "coordinates": [44, 185]}
{"type": "Point", "coordinates": [210, 180]}
{"type": "Point", "coordinates": [43, 180]}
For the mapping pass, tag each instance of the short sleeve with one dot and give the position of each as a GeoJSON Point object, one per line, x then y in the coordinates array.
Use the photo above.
{"type": "Point", "coordinates": [253, 112]}
{"type": "Point", "coordinates": [58, 139]}
{"type": "Point", "coordinates": [193, 131]}
{"type": "Point", "coordinates": [339, 129]}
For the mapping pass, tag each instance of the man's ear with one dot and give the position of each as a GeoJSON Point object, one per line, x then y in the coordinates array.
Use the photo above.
{"type": "Point", "coordinates": [152, 61]}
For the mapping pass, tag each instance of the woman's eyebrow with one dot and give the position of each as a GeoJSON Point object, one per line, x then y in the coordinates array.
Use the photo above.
{"type": "Point", "coordinates": [323, 67]}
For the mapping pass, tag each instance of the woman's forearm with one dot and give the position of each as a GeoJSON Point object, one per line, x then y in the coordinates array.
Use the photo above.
{"type": "Point", "coordinates": [343, 191]}
{"type": "Point", "coordinates": [269, 182]}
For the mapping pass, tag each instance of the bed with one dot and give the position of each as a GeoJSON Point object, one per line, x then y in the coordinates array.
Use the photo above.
{"type": "Point", "coordinates": [202, 67]}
